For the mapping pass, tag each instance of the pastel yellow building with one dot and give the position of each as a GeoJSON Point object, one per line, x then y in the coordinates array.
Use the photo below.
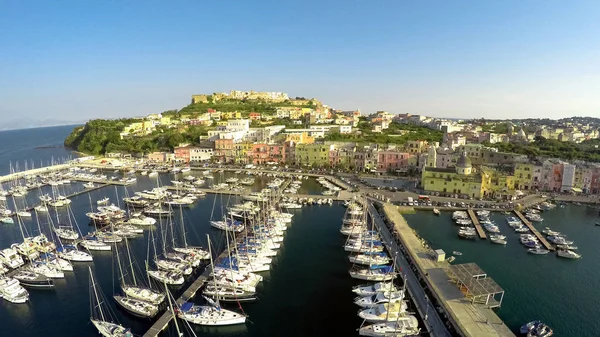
{"type": "Point", "coordinates": [316, 155]}
{"type": "Point", "coordinates": [463, 180]}
{"type": "Point", "coordinates": [165, 120]}
{"type": "Point", "coordinates": [242, 152]}
{"type": "Point", "coordinates": [231, 115]}
{"type": "Point", "coordinates": [497, 184]}
{"type": "Point", "coordinates": [300, 138]}
{"type": "Point", "coordinates": [523, 176]}
{"type": "Point", "coordinates": [134, 127]}
{"type": "Point", "coordinates": [459, 180]}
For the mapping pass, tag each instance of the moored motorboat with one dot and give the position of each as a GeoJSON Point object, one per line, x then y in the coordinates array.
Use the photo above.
{"type": "Point", "coordinates": [569, 254]}
{"type": "Point", "coordinates": [12, 291]}
{"type": "Point", "coordinates": [403, 326]}
{"type": "Point", "coordinates": [384, 312]}
{"type": "Point", "coordinates": [372, 289]}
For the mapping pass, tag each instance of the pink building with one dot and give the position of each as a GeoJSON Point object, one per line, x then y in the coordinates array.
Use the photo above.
{"type": "Point", "coordinates": [392, 160]}
{"type": "Point", "coordinates": [267, 153]}
{"type": "Point", "coordinates": [552, 176]}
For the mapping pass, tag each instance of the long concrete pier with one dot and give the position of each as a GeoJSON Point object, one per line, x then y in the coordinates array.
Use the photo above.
{"type": "Point", "coordinates": [477, 225]}
{"type": "Point", "coordinates": [41, 170]}
{"type": "Point", "coordinates": [469, 319]}
{"type": "Point", "coordinates": [535, 232]}
{"type": "Point", "coordinates": [433, 322]}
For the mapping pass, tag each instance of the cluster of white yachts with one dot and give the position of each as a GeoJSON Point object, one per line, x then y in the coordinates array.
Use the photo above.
{"type": "Point", "coordinates": [565, 248]}
{"type": "Point", "coordinates": [384, 306]}
{"type": "Point", "coordinates": [330, 188]}
{"type": "Point", "coordinates": [467, 231]}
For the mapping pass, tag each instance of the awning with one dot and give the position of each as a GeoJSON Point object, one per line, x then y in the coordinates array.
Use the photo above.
{"type": "Point", "coordinates": [577, 190]}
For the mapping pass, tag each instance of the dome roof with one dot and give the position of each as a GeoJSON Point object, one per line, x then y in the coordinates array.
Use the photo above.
{"type": "Point", "coordinates": [463, 161]}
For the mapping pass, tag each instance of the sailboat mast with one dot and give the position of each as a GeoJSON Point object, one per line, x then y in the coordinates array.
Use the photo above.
{"type": "Point", "coordinates": [212, 267]}
{"type": "Point", "coordinates": [171, 309]}
{"type": "Point", "coordinates": [96, 293]}
{"type": "Point", "coordinates": [182, 228]}
{"type": "Point", "coordinates": [130, 262]}
{"type": "Point", "coordinates": [119, 263]}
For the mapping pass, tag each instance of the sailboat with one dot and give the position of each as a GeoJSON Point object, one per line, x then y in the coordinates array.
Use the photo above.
{"type": "Point", "coordinates": [27, 248]}
{"type": "Point", "coordinates": [133, 305]}
{"type": "Point", "coordinates": [197, 254]}
{"type": "Point", "coordinates": [105, 327]}
{"type": "Point", "coordinates": [138, 291]}
{"type": "Point", "coordinates": [66, 232]}
{"type": "Point", "coordinates": [91, 242]}
{"type": "Point", "coordinates": [211, 314]}
{"type": "Point", "coordinates": [170, 277]}
{"type": "Point", "coordinates": [172, 262]}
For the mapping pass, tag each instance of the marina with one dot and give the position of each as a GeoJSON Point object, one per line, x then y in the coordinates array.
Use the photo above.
{"type": "Point", "coordinates": [471, 319]}
{"type": "Point", "coordinates": [476, 223]}
{"type": "Point", "coordinates": [310, 221]}
{"type": "Point", "coordinates": [535, 232]}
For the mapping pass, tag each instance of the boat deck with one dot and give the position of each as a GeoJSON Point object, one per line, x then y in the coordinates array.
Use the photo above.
{"type": "Point", "coordinates": [535, 232]}
{"type": "Point", "coordinates": [469, 319]}
{"type": "Point", "coordinates": [478, 228]}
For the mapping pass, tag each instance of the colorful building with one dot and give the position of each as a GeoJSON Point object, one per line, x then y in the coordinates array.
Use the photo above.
{"type": "Point", "coordinates": [182, 154]}
{"type": "Point", "coordinates": [524, 176]}
{"type": "Point", "coordinates": [224, 150]}
{"type": "Point", "coordinates": [391, 160]}
{"type": "Point", "coordinates": [316, 155]}
{"type": "Point", "coordinates": [460, 180]}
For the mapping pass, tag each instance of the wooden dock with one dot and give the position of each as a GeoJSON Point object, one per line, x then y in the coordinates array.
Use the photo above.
{"type": "Point", "coordinates": [535, 232]}
{"type": "Point", "coordinates": [477, 225]}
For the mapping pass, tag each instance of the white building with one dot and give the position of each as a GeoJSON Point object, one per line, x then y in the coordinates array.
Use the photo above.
{"type": "Point", "coordinates": [238, 125]}
{"type": "Point", "coordinates": [198, 154]}
{"type": "Point", "coordinates": [344, 129]}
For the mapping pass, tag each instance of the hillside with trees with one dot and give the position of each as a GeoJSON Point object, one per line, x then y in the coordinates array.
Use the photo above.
{"type": "Point", "coordinates": [100, 136]}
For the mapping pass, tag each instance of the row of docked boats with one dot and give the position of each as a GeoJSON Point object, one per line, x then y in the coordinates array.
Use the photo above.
{"type": "Point", "coordinates": [254, 231]}
{"type": "Point", "coordinates": [383, 306]}
{"type": "Point", "coordinates": [330, 188]}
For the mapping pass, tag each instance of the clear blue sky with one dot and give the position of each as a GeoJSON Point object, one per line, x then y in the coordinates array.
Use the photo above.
{"type": "Point", "coordinates": [74, 60]}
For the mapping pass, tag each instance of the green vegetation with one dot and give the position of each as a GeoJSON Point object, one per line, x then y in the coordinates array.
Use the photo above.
{"type": "Point", "coordinates": [495, 127]}
{"type": "Point", "coordinates": [100, 136]}
{"type": "Point", "coordinates": [395, 134]}
{"type": "Point", "coordinates": [588, 150]}
{"type": "Point", "coordinates": [236, 105]}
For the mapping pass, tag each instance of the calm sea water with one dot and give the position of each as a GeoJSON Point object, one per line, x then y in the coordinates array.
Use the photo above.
{"type": "Point", "coordinates": [33, 147]}
{"type": "Point", "coordinates": [307, 292]}
{"type": "Point", "coordinates": [561, 292]}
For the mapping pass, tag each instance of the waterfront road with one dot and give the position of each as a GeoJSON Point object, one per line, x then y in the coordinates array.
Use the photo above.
{"type": "Point", "coordinates": [434, 324]}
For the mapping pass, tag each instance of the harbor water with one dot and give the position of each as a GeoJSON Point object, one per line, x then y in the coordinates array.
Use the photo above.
{"type": "Point", "coordinates": [560, 292]}
{"type": "Point", "coordinates": [307, 292]}
{"type": "Point", "coordinates": [307, 288]}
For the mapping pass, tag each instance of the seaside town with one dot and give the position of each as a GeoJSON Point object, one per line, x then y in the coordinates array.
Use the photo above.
{"type": "Point", "coordinates": [243, 165]}
{"type": "Point", "coordinates": [460, 158]}
{"type": "Point", "coordinates": [300, 168]}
